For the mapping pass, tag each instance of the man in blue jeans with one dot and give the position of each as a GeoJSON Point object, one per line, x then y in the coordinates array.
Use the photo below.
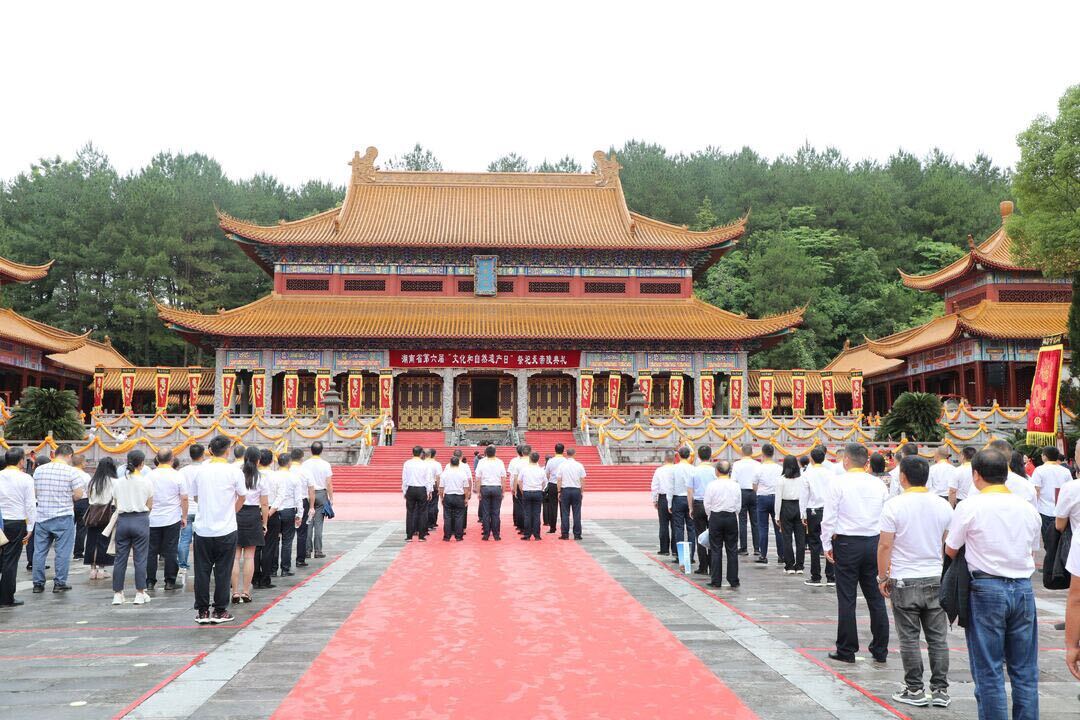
{"type": "Point", "coordinates": [57, 485]}
{"type": "Point", "coordinates": [768, 477]}
{"type": "Point", "coordinates": [197, 453]}
{"type": "Point", "coordinates": [682, 479]}
{"type": "Point", "coordinates": [998, 531]}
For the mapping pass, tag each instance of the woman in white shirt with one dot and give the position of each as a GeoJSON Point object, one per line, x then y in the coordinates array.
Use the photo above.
{"type": "Point", "coordinates": [250, 527]}
{"type": "Point", "coordinates": [134, 496]}
{"type": "Point", "coordinates": [531, 479]}
{"type": "Point", "coordinates": [100, 492]}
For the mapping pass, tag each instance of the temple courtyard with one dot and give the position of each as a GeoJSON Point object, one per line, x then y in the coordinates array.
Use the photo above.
{"type": "Point", "coordinates": [601, 628]}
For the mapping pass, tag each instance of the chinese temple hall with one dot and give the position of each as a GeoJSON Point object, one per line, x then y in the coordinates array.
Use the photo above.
{"type": "Point", "coordinates": [486, 299]}
{"type": "Point", "coordinates": [983, 349]}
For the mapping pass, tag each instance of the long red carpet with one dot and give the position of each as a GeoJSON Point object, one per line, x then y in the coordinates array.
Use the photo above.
{"type": "Point", "coordinates": [504, 630]}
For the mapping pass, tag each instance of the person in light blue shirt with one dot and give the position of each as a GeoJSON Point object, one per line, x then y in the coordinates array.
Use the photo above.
{"type": "Point", "coordinates": [704, 474]}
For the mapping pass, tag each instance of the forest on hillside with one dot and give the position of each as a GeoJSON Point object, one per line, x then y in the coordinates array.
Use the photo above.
{"type": "Point", "coordinates": [826, 231]}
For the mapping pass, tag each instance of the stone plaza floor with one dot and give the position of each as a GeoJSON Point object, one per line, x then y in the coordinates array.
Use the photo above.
{"type": "Point", "coordinates": [76, 656]}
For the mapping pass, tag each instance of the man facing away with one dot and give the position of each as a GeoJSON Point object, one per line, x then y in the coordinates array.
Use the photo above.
{"type": "Point", "coordinates": [433, 505]}
{"type": "Point", "coordinates": [296, 467]}
{"type": "Point", "coordinates": [81, 506]}
{"type": "Point", "coordinates": [168, 515]}
{"type": "Point", "coordinates": [551, 489]}
{"type": "Point", "coordinates": [940, 472]}
{"type": "Point", "coordinates": [908, 449]}
{"type": "Point", "coordinates": [815, 488]}
{"type": "Point", "coordinates": [219, 489]}
{"type": "Point", "coordinates": [909, 559]}
{"type": "Point", "coordinates": [57, 485]}
{"type": "Point", "coordinates": [292, 507]}
{"type": "Point", "coordinates": [197, 453]}
{"type": "Point", "coordinates": [722, 500]}
{"type": "Point", "coordinates": [849, 533]}
{"type": "Point", "coordinates": [960, 481]}
{"type": "Point", "coordinates": [512, 470]}
{"type": "Point", "coordinates": [661, 500]}
{"type": "Point", "coordinates": [490, 474]}
{"type": "Point", "coordinates": [682, 479]}
{"type": "Point", "coordinates": [765, 483]}
{"type": "Point", "coordinates": [1018, 485]}
{"type": "Point", "coordinates": [320, 476]}
{"type": "Point", "coordinates": [998, 531]}
{"type": "Point", "coordinates": [1048, 479]}
{"type": "Point", "coordinates": [570, 485]}
{"type": "Point", "coordinates": [704, 474]}
{"type": "Point", "coordinates": [417, 486]}
{"type": "Point", "coordinates": [744, 471]}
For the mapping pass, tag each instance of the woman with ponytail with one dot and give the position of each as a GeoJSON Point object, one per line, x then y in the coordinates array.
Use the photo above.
{"type": "Point", "coordinates": [250, 526]}
{"type": "Point", "coordinates": [134, 496]}
{"type": "Point", "coordinates": [100, 491]}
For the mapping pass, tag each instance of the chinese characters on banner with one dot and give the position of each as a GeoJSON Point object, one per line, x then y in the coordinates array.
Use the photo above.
{"type": "Point", "coordinates": [504, 359]}
{"type": "Point", "coordinates": [194, 380]}
{"type": "Point", "coordinates": [1042, 421]}
{"type": "Point", "coordinates": [708, 393]}
{"type": "Point", "coordinates": [127, 387]}
{"type": "Point", "coordinates": [99, 388]}
{"type": "Point", "coordinates": [386, 393]}
{"type": "Point", "coordinates": [856, 392]}
{"type": "Point", "coordinates": [322, 385]}
{"type": "Point", "coordinates": [828, 392]}
{"type": "Point", "coordinates": [798, 391]}
{"type": "Point", "coordinates": [585, 388]}
{"type": "Point", "coordinates": [765, 390]}
{"type": "Point", "coordinates": [356, 392]}
{"type": "Point", "coordinates": [645, 385]}
{"type": "Point", "coordinates": [614, 385]}
{"type": "Point", "coordinates": [258, 391]}
{"type": "Point", "coordinates": [228, 386]}
{"type": "Point", "coordinates": [291, 387]}
{"type": "Point", "coordinates": [735, 394]}
{"type": "Point", "coordinates": [675, 388]}
{"type": "Point", "coordinates": [161, 389]}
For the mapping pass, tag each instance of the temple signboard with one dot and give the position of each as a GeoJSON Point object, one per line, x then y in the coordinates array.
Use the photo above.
{"type": "Point", "coordinates": [243, 359]}
{"type": "Point", "coordinates": [720, 362]}
{"type": "Point", "coordinates": [502, 359]}
{"type": "Point", "coordinates": [610, 361]}
{"type": "Point", "coordinates": [673, 362]}
{"type": "Point", "coordinates": [297, 359]}
{"type": "Point", "coordinates": [373, 360]}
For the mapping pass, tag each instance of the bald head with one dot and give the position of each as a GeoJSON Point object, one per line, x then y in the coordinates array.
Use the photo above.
{"type": "Point", "coordinates": [723, 468]}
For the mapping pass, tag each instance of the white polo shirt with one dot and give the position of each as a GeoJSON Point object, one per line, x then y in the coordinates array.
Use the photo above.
{"type": "Point", "coordinates": [188, 472]}
{"type": "Point", "coordinates": [768, 477]}
{"type": "Point", "coordinates": [318, 472]}
{"type": "Point", "coordinates": [217, 485]}
{"type": "Point", "coordinates": [169, 490]}
{"type": "Point", "coordinates": [532, 477]}
{"type": "Point", "coordinates": [571, 473]}
{"type": "Point", "coordinates": [938, 482]}
{"type": "Point", "coordinates": [490, 472]}
{"type": "Point", "coordinates": [852, 507]}
{"type": "Point", "coordinates": [661, 482]}
{"type": "Point", "coordinates": [918, 519]}
{"type": "Point", "coordinates": [999, 530]}
{"type": "Point", "coordinates": [744, 471]}
{"type": "Point", "coordinates": [514, 467]}
{"type": "Point", "coordinates": [961, 481]}
{"type": "Point", "coordinates": [1068, 505]}
{"type": "Point", "coordinates": [816, 480]}
{"type": "Point", "coordinates": [1049, 478]}
{"type": "Point", "coordinates": [551, 467]}
{"type": "Point", "coordinates": [454, 480]}
{"type": "Point", "coordinates": [1022, 487]}
{"type": "Point", "coordinates": [416, 473]}
{"type": "Point", "coordinates": [722, 495]}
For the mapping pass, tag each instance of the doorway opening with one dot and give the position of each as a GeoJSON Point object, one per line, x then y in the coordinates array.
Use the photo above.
{"type": "Point", "coordinates": [485, 398]}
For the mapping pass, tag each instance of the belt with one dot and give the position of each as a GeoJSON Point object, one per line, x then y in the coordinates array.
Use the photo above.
{"type": "Point", "coordinates": [980, 575]}
{"type": "Point", "coordinates": [722, 513]}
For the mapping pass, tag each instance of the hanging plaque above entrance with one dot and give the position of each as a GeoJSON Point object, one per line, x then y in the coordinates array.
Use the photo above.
{"type": "Point", "coordinates": [504, 359]}
{"type": "Point", "coordinates": [485, 275]}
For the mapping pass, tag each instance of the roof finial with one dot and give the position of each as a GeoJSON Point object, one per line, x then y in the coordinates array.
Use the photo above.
{"type": "Point", "coordinates": [847, 344]}
{"type": "Point", "coordinates": [1006, 209]}
{"type": "Point", "coordinates": [363, 166]}
{"type": "Point", "coordinates": [607, 168]}
{"type": "Point", "coordinates": [971, 242]}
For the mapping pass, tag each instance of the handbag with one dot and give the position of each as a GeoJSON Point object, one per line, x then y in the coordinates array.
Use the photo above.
{"type": "Point", "coordinates": [328, 510]}
{"type": "Point", "coordinates": [98, 516]}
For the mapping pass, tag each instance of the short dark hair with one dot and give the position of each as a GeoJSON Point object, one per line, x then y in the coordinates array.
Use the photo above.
{"type": "Point", "coordinates": [968, 452]}
{"type": "Point", "coordinates": [534, 457]}
{"type": "Point", "coordinates": [1050, 452]}
{"type": "Point", "coordinates": [431, 452]}
{"type": "Point", "coordinates": [704, 452]}
{"type": "Point", "coordinates": [455, 460]}
{"type": "Point", "coordinates": [767, 450]}
{"type": "Point", "coordinates": [238, 451]}
{"type": "Point", "coordinates": [684, 452]}
{"type": "Point", "coordinates": [316, 448]}
{"type": "Point", "coordinates": [817, 454]}
{"type": "Point", "coordinates": [417, 451]}
{"type": "Point", "coordinates": [909, 449]}
{"type": "Point", "coordinates": [559, 448]}
{"type": "Point", "coordinates": [266, 457]}
{"type": "Point", "coordinates": [1002, 446]}
{"type": "Point", "coordinates": [63, 450]}
{"type": "Point", "coordinates": [284, 459]}
{"type": "Point", "coordinates": [526, 450]}
{"type": "Point", "coordinates": [877, 462]}
{"type": "Point", "coordinates": [196, 452]}
{"type": "Point", "coordinates": [489, 451]}
{"type": "Point", "coordinates": [915, 470]}
{"type": "Point", "coordinates": [296, 454]}
{"type": "Point", "coordinates": [14, 457]}
{"type": "Point", "coordinates": [571, 452]}
{"type": "Point", "coordinates": [747, 449]}
{"type": "Point", "coordinates": [219, 445]}
{"type": "Point", "coordinates": [723, 467]}
{"type": "Point", "coordinates": [992, 466]}
{"type": "Point", "coordinates": [857, 453]}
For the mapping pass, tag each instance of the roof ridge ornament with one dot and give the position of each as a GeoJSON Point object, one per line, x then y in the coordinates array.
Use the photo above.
{"type": "Point", "coordinates": [607, 168]}
{"type": "Point", "coordinates": [363, 166]}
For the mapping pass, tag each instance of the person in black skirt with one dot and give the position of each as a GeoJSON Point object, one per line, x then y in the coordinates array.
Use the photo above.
{"type": "Point", "coordinates": [250, 526]}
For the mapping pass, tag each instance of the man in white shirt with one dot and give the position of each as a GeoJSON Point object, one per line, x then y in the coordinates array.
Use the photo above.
{"type": "Point", "coordinates": [998, 532]}
{"type": "Point", "coordinates": [551, 490]}
{"type": "Point", "coordinates": [913, 526]}
{"type": "Point", "coordinates": [815, 487]}
{"type": "Point", "coordinates": [303, 530]}
{"type": "Point", "coordinates": [219, 489]}
{"type": "Point", "coordinates": [57, 486]}
{"type": "Point", "coordinates": [512, 470]}
{"type": "Point", "coordinates": [454, 488]}
{"type": "Point", "coordinates": [660, 490]}
{"type": "Point", "coordinates": [490, 475]}
{"type": "Point", "coordinates": [744, 471]}
{"type": "Point", "coordinates": [960, 483]}
{"type": "Point", "coordinates": [570, 484]}
{"type": "Point", "coordinates": [167, 516]}
{"type": "Point", "coordinates": [1048, 479]}
{"type": "Point", "coordinates": [417, 486]}
{"type": "Point", "coordinates": [682, 479]}
{"type": "Point", "coordinates": [765, 483]}
{"type": "Point", "coordinates": [269, 553]}
{"type": "Point", "coordinates": [320, 476]}
{"type": "Point", "coordinates": [530, 484]}
{"type": "Point", "coordinates": [17, 509]}
{"type": "Point", "coordinates": [908, 449]}
{"type": "Point", "coordinates": [1018, 485]}
{"type": "Point", "coordinates": [836, 467]}
{"type": "Point", "coordinates": [723, 498]}
{"type": "Point", "coordinates": [850, 528]}
{"type": "Point", "coordinates": [197, 454]}
{"type": "Point", "coordinates": [433, 505]}
{"type": "Point", "coordinates": [940, 472]}
{"type": "Point", "coordinates": [294, 491]}
{"type": "Point", "coordinates": [81, 506]}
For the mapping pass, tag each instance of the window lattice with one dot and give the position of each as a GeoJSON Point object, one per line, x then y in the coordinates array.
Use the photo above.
{"type": "Point", "coordinates": [466, 286]}
{"type": "Point", "coordinates": [605, 287]}
{"type": "Point", "coordinates": [421, 285]}
{"type": "Point", "coordinates": [1057, 295]}
{"type": "Point", "coordinates": [661, 288]}
{"type": "Point", "coordinates": [549, 286]}
{"type": "Point", "coordinates": [365, 285]}
{"type": "Point", "coordinates": [504, 286]}
{"type": "Point", "coordinates": [307, 284]}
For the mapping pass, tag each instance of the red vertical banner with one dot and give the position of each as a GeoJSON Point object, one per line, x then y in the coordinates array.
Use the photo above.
{"type": "Point", "coordinates": [828, 392]}
{"type": "Point", "coordinates": [356, 393]}
{"type": "Point", "coordinates": [707, 385]}
{"type": "Point", "coordinates": [161, 389]}
{"type": "Point", "coordinates": [798, 391]}
{"type": "Point", "coordinates": [585, 390]}
{"type": "Point", "coordinates": [99, 388]}
{"type": "Point", "coordinates": [386, 393]}
{"type": "Point", "coordinates": [856, 392]}
{"type": "Point", "coordinates": [291, 393]}
{"type": "Point", "coordinates": [127, 387]}
{"type": "Point", "coordinates": [614, 386]}
{"type": "Point", "coordinates": [735, 394]}
{"type": "Point", "coordinates": [766, 391]}
{"type": "Point", "coordinates": [644, 382]}
{"type": "Point", "coordinates": [675, 388]}
{"type": "Point", "coordinates": [194, 381]}
{"type": "Point", "coordinates": [322, 385]}
{"type": "Point", "coordinates": [228, 389]}
{"type": "Point", "coordinates": [1042, 422]}
{"type": "Point", "coordinates": [258, 391]}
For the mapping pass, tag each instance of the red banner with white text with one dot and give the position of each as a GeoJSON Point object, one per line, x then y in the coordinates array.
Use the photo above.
{"type": "Point", "coordinates": [798, 391]}
{"type": "Point", "coordinates": [856, 392]}
{"type": "Point", "coordinates": [675, 388]}
{"type": "Point", "coordinates": [356, 392]}
{"type": "Point", "coordinates": [161, 389]}
{"type": "Point", "coordinates": [766, 391]}
{"type": "Point", "coordinates": [1042, 423]}
{"type": "Point", "coordinates": [99, 388]}
{"type": "Point", "coordinates": [258, 391]}
{"type": "Point", "coordinates": [708, 393]}
{"type": "Point", "coordinates": [614, 386]}
{"type": "Point", "coordinates": [386, 393]}
{"type": "Point", "coordinates": [322, 385]}
{"type": "Point", "coordinates": [645, 385]}
{"type": "Point", "coordinates": [291, 392]}
{"type": "Point", "coordinates": [828, 392]}
{"type": "Point", "coordinates": [735, 394]}
{"type": "Point", "coordinates": [194, 381]}
{"type": "Point", "coordinates": [127, 387]}
{"type": "Point", "coordinates": [585, 391]}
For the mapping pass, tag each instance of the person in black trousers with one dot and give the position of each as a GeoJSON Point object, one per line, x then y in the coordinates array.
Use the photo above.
{"type": "Point", "coordinates": [81, 506]}
{"type": "Point", "coordinates": [286, 515]}
{"type": "Point", "coordinates": [722, 500]}
{"type": "Point", "coordinates": [297, 456]}
{"type": "Point", "coordinates": [417, 486]}
{"type": "Point", "coordinates": [661, 491]}
{"type": "Point", "coordinates": [17, 509]}
{"type": "Point", "coordinates": [789, 516]}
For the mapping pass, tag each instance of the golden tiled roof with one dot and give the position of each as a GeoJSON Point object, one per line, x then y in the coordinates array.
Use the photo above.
{"type": "Point", "coordinates": [557, 320]}
{"type": "Point", "coordinates": [861, 357]}
{"type": "Point", "coordinates": [994, 252]}
{"type": "Point", "coordinates": [17, 328]}
{"type": "Point", "coordinates": [483, 210]}
{"type": "Point", "coordinates": [989, 319]}
{"type": "Point", "coordinates": [782, 382]}
{"type": "Point", "coordinates": [84, 359]}
{"type": "Point", "coordinates": [145, 379]}
{"type": "Point", "coordinates": [13, 272]}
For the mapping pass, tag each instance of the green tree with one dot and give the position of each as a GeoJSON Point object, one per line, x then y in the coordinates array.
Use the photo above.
{"type": "Point", "coordinates": [44, 411]}
{"type": "Point", "coordinates": [565, 164]}
{"type": "Point", "coordinates": [511, 162]}
{"type": "Point", "coordinates": [419, 158]}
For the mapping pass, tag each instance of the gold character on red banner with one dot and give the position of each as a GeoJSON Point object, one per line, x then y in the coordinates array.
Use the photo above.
{"type": "Point", "coordinates": [856, 392]}
{"type": "Point", "coordinates": [735, 394]}
{"type": "Point", "coordinates": [828, 393]}
{"type": "Point", "coordinates": [228, 386]}
{"type": "Point", "coordinates": [127, 387]}
{"type": "Point", "coordinates": [645, 385]}
{"type": "Point", "coordinates": [99, 388]}
{"type": "Point", "coordinates": [585, 391]}
{"type": "Point", "coordinates": [258, 392]}
{"type": "Point", "coordinates": [675, 387]}
{"type": "Point", "coordinates": [708, 395]}
{"type": "Point", "coordinates": [194, 380]}
{"type": "Point", "coordinates": [386, 393]}
{"type": "Point", "coordinates": [292, 391]}
{"type": "Point", "coordinates": [614, 387]}
{"type": "Point", "coordinates": [322, 386]}
{"type": "Point", "coordinates": [798, 391]}
{"type": "Point", "coordinates": [161, 390]}
{"type": "Point", "coordinates": [356, 393]}
{"type": "Point", "coordinates": [765, 391]}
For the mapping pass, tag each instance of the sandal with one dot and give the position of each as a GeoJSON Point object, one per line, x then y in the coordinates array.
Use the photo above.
{"type": "Point", "coordinates": [245, 598]}
{"type": "Point", "coordinates": [236, 600]}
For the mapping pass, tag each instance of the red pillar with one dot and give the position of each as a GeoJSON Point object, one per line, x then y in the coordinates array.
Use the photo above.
{"type": "Point", "coordinates": [980, 384]}
{"type": "Point", "coordinates": [1010, 386]}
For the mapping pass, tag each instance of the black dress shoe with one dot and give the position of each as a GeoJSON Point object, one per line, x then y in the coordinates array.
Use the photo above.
{"type": "Point", "coordinates": [743, 552]}
{"type": "Point", "coordinates": [842, 658]}
{"type": "Point", "coordinates": [303, 563]}
{"type": "Point", "coordinates": [13, 603]}
{"type": "Point", "coordinates": [762, 561]}
{"type": "Point", "coordinates": [287, 573]}
{"type": "Point", "coordinates": [151, 584]}
{"type": "Point", "coordinates": [170, 585]}
{"type": "Point", "coordinates": [712, 584]}
{"type": "Point", "coordinates": [38, 588]}
{"type": "Point", "coordinates": [60, 587]}
{"type": "Point", "coordinates": [320, 554]}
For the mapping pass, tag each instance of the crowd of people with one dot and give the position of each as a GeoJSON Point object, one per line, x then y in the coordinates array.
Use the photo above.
{"type": "Point", "coordinates": [537, 491]}
{"type": "Point", "coordinates": [237, 510]}
{"type": "Point", "coordinates": [938, 541]}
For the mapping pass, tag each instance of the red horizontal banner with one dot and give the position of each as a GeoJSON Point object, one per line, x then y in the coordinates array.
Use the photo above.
{"type": "Point", "coordinates": [506, 359]}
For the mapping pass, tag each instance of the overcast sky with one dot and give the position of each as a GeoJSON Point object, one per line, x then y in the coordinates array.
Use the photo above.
{"type": "Point", "coordinates": [293, 89]}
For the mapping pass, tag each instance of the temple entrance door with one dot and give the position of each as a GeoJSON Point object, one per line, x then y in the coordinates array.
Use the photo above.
{"type": "Point", "coordinates": [485, 398]}
{"type": "Point", "coordinates": [419, 402]}
{"type": "Point", "coordinates": [551, 403]}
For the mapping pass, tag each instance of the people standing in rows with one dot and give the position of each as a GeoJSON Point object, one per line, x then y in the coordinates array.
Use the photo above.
{"type": "Point", "coordinates": [998, 532]}
{"type": "Point", "coordinates": [722, 500]}
{"type": "Point", "coordinates": [908, 449]}
{"type": "Point", "coordinates": [296, 467]}
{"type": "Point", "coordinates": [551, 488]}
{"type": "Point", "coordinates": [17, 510]}
{"type": "Point", "coordinates": [570, 487]}
{"type": "Point", "coordinates": [816, 480]}
{"type": "Point", "coordinates": [490, 475]}
{"type": "Point", "coordinates": [80, 507]}
{"type": "Point", "coordinates": [454, 490]}
{"type": "Point", "coordinates": [789, 517]}
{"type": "Point", "coordinates": [1017, 480]}
{"type": "Point", "coordinates": [849, 533]}
{"type": "Point", "coordinates": [682, 480]}
{"type": "Point", "coordinates": [250, 526]}
{"type": "Point", "coordinates": [267, 478]}
{"type": "Point", "coordinates": [960, 482]}
{"type": "Point", "coordinates": [469, 474]}
{"type": "Point", "coordinates": [197, 455]}
{"type": "Point", "coordinates": [530, 482]}
{"type": "Point", "coordinates": [940, 472]}
{"type": "Point", "coordinates": [909, 561]}
{"type": "Point", "coordinates": [57, 485]}
{"type": "Point", "coordinates": [878, 470]}
{"type": "Point", "coordinates": [512, 470]}
{"type": "Point", "coordinates": [433, 504]}
{"type": "Point", "coordinates": [417, 486]}
{"type": "Point", "coordinates": [102, 506]}
{"type": "Point", "coordinates": [320, 477]}
{"type": "Point", "coordinates": [1048, 479]}
{"type": "Point", "coordinates": [167, 518]}
{"type": "Point", "coordinates": [704, 473]}
{"type": "Point", "coordinates": [765, 483]}
{"type": "Point", "coordinates": [294, 490]}
{"type": "Point", "coordinates": [660, 491]}
{"type": "Point", "coordinates": [134, 495]}
{"type": "Point", "coordinates": [744, 471]}
{"type": "Point", "coordinates": [219, 489]}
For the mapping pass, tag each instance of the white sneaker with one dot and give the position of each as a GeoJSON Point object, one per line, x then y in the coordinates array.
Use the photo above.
{"type": "Point", "coordinates": [118, 598]}
{"type": "Point", "coordinates": [141, 598]}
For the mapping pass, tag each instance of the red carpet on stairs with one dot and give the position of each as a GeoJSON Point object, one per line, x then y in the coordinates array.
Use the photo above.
{"type": "Point", "coordinates": [478, 630]}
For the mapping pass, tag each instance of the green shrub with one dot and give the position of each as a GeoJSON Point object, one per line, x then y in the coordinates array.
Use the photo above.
{"type": "Point", "coordinates": [914, 414]}
{"type": "Point", "coordinates": [44, 410]}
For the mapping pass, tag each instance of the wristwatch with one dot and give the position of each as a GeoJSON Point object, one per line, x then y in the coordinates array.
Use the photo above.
{"type": "Point", "coordinates": [882, 579]}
